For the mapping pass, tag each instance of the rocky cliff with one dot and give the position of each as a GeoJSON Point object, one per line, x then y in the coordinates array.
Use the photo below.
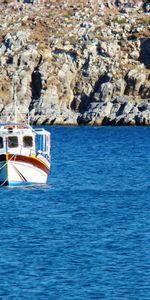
{"type": "Point", "coordinates": [76, 63]}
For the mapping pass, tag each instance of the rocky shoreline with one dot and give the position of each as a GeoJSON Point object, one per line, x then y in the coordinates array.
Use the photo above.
{"type": "Point", "coordinates": [76, 64]}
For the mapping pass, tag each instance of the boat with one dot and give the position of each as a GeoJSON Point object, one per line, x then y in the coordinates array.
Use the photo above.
{"type": "Point", "coordinates": [24, 152]}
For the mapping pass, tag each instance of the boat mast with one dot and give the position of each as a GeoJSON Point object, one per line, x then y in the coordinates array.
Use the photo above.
{"type": "Point", "coordinates": [15, 106]}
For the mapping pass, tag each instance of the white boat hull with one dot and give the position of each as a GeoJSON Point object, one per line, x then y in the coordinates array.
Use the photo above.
{"type": "Point", "coordinates": [22, 170]}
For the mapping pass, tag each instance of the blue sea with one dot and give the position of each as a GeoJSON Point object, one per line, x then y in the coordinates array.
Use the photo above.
{"type": "Point", "coordinates": [85, 235]}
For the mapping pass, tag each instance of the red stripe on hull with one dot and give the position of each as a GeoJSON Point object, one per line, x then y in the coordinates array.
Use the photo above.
{"type": "Point", "coordinates": [26, 159]}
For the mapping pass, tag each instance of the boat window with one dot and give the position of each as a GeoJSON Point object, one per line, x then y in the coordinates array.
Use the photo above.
{"type": "Point", "coordinates": [12, 141]}
{"type": "Point", "coordinates": [1, 142]}
{"type": "Point", "coordinates": [27, 141]}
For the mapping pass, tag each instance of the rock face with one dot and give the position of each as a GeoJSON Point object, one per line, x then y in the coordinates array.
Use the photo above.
{"type": "Point", "coordinates": [76, 63]}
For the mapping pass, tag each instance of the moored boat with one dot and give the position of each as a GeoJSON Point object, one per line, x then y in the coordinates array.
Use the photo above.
{"type": "Point", "coordinates": [24, 154]}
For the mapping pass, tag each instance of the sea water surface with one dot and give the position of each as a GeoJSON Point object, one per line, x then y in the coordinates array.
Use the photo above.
{"type": "Point", "coordinates": [85, 235]}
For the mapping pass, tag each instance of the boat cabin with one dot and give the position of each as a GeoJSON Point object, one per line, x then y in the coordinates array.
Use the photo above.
{"type": "Point", "coordinates": [22, 139]}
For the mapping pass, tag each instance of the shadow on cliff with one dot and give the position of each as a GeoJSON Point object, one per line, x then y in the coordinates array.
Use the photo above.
{"type": "Point", "coordinates": [145, 52]}
{"type": "Point", "coordinates": [36, 87]}
{"type": "Point", "coordinates": [36, 84]}
{"type": "Point", "coordinates": [85, 100]}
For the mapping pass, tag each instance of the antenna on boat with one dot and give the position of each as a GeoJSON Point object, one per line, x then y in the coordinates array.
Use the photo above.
{"type": "Point", "coordinates": [16, 114]}
{"type": "Point", "coordinates": [15, 105]}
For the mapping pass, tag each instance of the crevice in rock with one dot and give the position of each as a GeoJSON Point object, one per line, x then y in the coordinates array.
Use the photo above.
{"type": "Point", "coordinates": [10, 60]}
{"type": "Point", "coordinates": [36, 84]}
{"type": "Point", "coordinates": [85, 67]}
{"type": "Point", "coordinates": [145, 52]}
{"type": "Point", "coordinates": [85, 100]}
{"type": "Point", "coordinates": [130, 87]}
{"type": "Point", "coordinates": [102, 79]}
{"type": "Point", "coordinates": [18, 62]}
